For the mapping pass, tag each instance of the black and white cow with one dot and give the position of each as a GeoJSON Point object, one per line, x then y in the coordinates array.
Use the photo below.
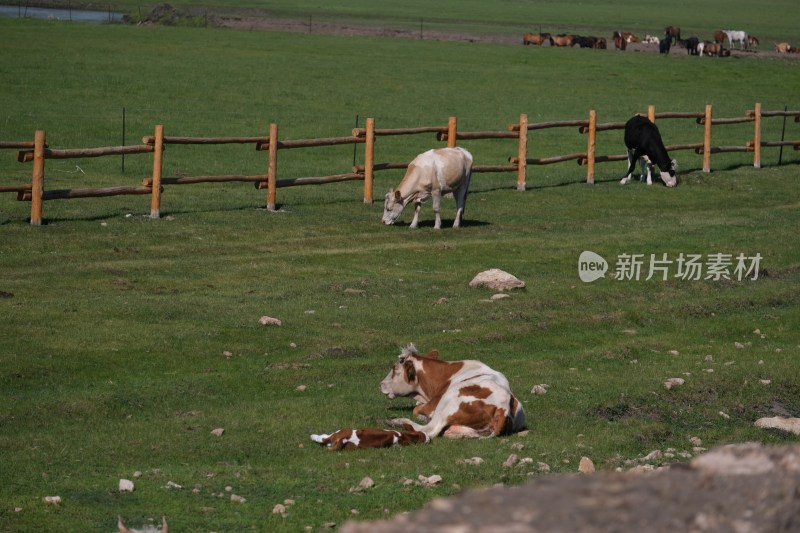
{"type": "Point", "coordinates": [644, 144]}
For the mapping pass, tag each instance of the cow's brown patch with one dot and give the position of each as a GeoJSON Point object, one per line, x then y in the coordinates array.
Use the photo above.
{"type": "Point", "coordinates": [477, 415]}
{"type": "Point", "coordinates": [476, 391]}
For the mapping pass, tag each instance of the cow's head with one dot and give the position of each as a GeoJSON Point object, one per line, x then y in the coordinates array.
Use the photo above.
{"type": "Point", "coordinates": [403, 378]}
{"type": "Point", "coordinates": [392, 207]}
{"type": "Point", "coordinates": [668, 177]}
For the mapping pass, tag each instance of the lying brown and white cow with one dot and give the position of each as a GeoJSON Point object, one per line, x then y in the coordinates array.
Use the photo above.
{"type": "Point", "coordinates": [457, 399]}
{"type": "Point", "coordinates": [431, 173]}
{"type": "Point", "coordinates": [350, 439]}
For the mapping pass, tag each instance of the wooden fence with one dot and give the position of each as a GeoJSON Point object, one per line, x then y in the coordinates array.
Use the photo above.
{"type": "Point", "coordinates": [38, 151]}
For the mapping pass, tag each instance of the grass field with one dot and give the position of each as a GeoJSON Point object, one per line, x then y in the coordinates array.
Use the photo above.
{"type": "Point", "coordinates": [126, 340]}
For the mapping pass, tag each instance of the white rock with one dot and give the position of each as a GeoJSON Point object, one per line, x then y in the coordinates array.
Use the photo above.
{"type": "Point", "coordinates": [791, 425]}
{"type": "Point", "coordinates": [695, 441]}
{"type": "Point", "coordinates": [429, 481]}
{"type": "Point", "coordinates": [540, 388]}
{"type": "Point", "coordinates": [472, 461]}
{"type": "Point", "coordinates": [511, 461]}
{"type": "Point", "coordinates": [238, 499]}
{"type": "Point", "coordinates": [217, 432]}
{"type": "Point", "coordinates": [366, 483]}
{"type": "Point", "coordinates": [543, 467]}
{"type": "Point", "coordinates": [586, 466]}
{"type": "Point", "coordinates": [125, 485]}
{"type": "Point", "coordinates": [269, 321]}
{"type": "Point", "coordinates": [301, 388]}
{"type": "Point", "coordinates": [279, 509]}
{"type": "Point", "coordinates": [53, 500]}
{"type": "Point", "coordinates": [674, 382]}
{"type": "Point", "coordinates": [497, 279]}
{"type": "Point", "coordinates": [500, 296]}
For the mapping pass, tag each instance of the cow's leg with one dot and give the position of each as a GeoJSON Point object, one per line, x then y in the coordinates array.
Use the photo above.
{"type": "Point", "coordinates": [437, 200]}
{"type": "Point", "coordinates": [461, 199]}
{"type": "Point", "coordinates": [632, 158]}
{"type": "Point", "coordinates": [415, 220]}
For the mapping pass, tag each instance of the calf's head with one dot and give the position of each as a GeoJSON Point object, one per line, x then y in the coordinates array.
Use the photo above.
{"type": "Point", "coordinates": [392, 207]}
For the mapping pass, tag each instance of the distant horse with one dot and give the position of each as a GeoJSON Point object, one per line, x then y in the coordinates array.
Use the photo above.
{"type": "Point", "coordinates": [736, 36]}
{"type": "Point", "coordinates": [673, 33]}
{"type": "Point", "coordinates": [563, 40]}
{"type": "Point", "coordinates": [537, 39]}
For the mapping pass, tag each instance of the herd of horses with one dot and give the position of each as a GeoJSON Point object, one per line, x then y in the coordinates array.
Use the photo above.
{"type": "Point", "coordinates": [672, 36]}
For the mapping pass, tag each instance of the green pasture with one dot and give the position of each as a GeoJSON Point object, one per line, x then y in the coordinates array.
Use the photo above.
{"type": "Point", "coordinates": [125, 340]}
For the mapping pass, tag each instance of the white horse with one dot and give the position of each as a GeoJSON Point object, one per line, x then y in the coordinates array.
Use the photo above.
{"type": "Point", "coordinates": [737, 36]}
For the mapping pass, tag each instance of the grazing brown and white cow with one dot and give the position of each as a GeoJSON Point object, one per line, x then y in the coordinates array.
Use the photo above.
{"type": "Point", "coordinates": [350, 439]}
{"type": "Point", "coordinates": [457, 399]}
{"type": "Point", "coordinates": [431, 173]}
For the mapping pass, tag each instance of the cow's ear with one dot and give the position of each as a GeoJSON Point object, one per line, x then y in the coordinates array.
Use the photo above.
{"type": "Point", "coordinates": [411, 373]}
{"type": "Point", "coordinates": [397, 196]}
{"type": "Point", "coordinates": [433, 355]}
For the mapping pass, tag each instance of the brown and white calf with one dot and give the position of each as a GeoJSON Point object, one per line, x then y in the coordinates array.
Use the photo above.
{"type": "Point", "coordinates": [431, 174]}
{"type": "Point", "coordinates": [350, 439]}
{"type": "Point", "coordinates": [456, 399]}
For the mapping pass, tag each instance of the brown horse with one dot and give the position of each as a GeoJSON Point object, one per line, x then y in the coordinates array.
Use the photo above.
{"type": "Point", "coordinates": [720, 36]}
{"type": "Point", "coordinates": [562, 40]}
{"type": "Point", "coordinates": [673, 32]}
{"type": "Point", "coordinates": [537, 39]}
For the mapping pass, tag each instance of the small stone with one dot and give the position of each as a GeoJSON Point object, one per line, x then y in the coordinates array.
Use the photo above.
{"type": "Point", "coordinates": [765, 381]}
{"type": "Point", "coordinates": [301, 388]}
{"type": "Point", "coordinates": [218, 432]}
{"type": "Point", "coordinates": [695, 441]}
{"type": "Point", "coordinates": [279, 509]}
{"type": "Point", "coordinates": [586, 466]}
{"type": "Point", "coordinates": [238, 499]}
{"type": "Point", "coordinates": [540, 389]}
{"type": "Point", "coordinates": [543, 467]}
{"type": "Point", "coordinates": [269, 321]}
{"type": "Point", "coordinates": [366, 483]}
{"type": "Point", "coordinates": [429, 481]}
{"type": "Point", "coordinates": [125, 485]}
{"type": "Point", "coordinates": [511, 461]}
{"type": "Point", "coordinates": [52, 500]}
{"type": "Point", "coordinates": [227, 354]}
{"type": "Point", "coordinates": [673, 382]}
{"type": "Point", "coordinates": [724, 415]}
{"type": "Point", "coordinates": [137, 474]}
{"type": "Point", "coordinates": [500, 296]}
{"type": "Point", "coordinates": [738, 344]}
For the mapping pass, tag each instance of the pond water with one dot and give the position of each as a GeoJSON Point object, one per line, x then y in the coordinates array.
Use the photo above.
{"type": "Point", "coordinates": [77, 15]}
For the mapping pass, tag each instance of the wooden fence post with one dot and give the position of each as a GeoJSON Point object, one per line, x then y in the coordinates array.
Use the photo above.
{"type": "Point", "coordinates": [37, 179]}
{"type": "Point", "coordinates": [707, 140]}
{"type": "Point", "coordinates": [522, 153]}
{"type": "Point", "coordinates": [452, 131]}
{"type": "Point", "coordinates": [757, 137]}
{"type": "Point", "coordinates": [590, 149]}
{"type": "Point", "coordinates": [158, 165]}
{"type": "Point", "coordinates": [272, 178]}
{"type": "Point", "coordinates": [369, 160]}
{"type": "Point", "coordinates": [651, 113]}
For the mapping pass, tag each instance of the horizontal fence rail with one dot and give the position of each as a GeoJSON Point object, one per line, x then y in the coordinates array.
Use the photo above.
{"type": "Point", "coordinates": [38, 151]}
